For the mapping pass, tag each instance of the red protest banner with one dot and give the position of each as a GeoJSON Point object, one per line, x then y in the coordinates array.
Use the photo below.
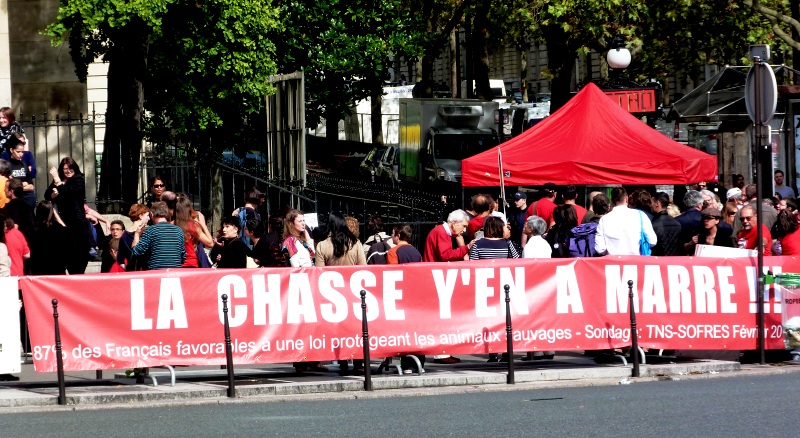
{"type": "Point", "coordinates": [284, 315]}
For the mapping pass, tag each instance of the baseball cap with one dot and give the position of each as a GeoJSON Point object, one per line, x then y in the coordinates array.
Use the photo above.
{"type": "Point", "coordinates": [550, 187]}
{"type": "Point", "coordinates": [520, 195]}
{"type": "Point", "coordinates": [734, 193]}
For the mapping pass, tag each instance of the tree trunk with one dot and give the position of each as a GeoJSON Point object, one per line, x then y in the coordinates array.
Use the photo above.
{"type": "Point", "coordinates": [376, 115]}
{"type": "Point", "coordinates": [795, 8]}
{"type": "Point", "coordinates": [480, 55]}
{"type": "Point", "coordinates": [469, 77]}
{"type": "Point", "coordinates": [424, 85]}
{"type": "Point", "coordinates": [331, 130]}
{"type": "Point", "coordinates": [331, 119]}
{"type": "Point", "coordinates": [123, 137]}
{"type": "Point", "coordinates": [560, 62]}
{"type": "Point", "coordinates": [216, 193]}
{"type": "Point", "coordinates": [424, 88]}
{"type": "Point", "coordinates": [454, 80]}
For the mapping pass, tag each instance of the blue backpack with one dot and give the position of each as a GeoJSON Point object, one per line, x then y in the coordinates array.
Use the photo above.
{"type": "Point", "coordinates": [581, 241]}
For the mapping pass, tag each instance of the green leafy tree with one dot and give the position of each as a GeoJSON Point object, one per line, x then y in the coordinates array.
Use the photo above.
{"type": "Point", "coordinates": [194, 65]}
{"type": "Point", "coordinates": [684, 37]}
{"type": "Point", "coordinates": [344, 49]}
{"type": "Point", "coordinates": [119, 31]}
{"type": "Point", "coordinates": [435, 19]}
{"type": "Point", "coordinates": [782, 21]}
{"type": "Point", "coordinates": [208, 72]}
{"type": "Point", "coordinates": [665, 37]}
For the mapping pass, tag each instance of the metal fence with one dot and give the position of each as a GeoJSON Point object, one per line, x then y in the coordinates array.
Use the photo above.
{"type": "Point", "coordinates": [80, 137]}
{"type": "Point", "coordinates": [323, 193]}
{"type": "Point", "coordinates": [51, 139]}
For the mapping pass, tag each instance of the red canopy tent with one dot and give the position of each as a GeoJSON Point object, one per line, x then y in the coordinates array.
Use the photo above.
{"type": "Point", "coordinates": [590, 140]}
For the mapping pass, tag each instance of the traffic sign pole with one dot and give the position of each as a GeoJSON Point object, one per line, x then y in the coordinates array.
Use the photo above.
{"type": "Point", "coordinates": [759, 134]}
{"type": "Point", "coordinates": [761, 98]}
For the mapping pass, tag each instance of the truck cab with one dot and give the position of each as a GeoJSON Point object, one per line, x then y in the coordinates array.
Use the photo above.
{"type": "Point", "coordinates": [436, 134]}
{"type": "Point", "coordinates": [446, 147]}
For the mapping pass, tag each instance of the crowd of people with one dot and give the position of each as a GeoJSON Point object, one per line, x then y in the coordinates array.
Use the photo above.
{"type": "Point", "coordinates": [167, 232]}
{"type": "Point", "coordinates": [636, 223]}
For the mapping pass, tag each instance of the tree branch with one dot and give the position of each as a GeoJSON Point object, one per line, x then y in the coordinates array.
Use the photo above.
{"type": "Point", "coordinates": [776, 18]}
{"type": "Point", "coordinates": [456, 18]}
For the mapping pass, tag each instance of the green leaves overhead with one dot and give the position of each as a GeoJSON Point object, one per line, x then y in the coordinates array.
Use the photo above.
{"type": "Point", "coordinates": [344, 48]}
{"type": "Point", "coordinates": [212, 63]}
{"type": "Point", "coordinates": [207, 62]}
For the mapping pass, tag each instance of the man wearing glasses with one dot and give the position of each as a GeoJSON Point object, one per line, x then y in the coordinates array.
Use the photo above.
{"type": "Point", "coordinates": [748, 235]}
{"type": "Point", "coordinates": [768, 213]}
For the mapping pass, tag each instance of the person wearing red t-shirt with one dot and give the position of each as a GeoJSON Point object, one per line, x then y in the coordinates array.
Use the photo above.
{"type": "Point", "coordinates": [570, 197]}
{"type": "Point", "coordinates": [749, 232]}
{"type": "Point", "coordinates": [481, 204]}
{"type": "Point", "coordinates": [18, 250]}
{"type": "Point", "coordinates": [787, 231]}
{"type": "Point", "coordinates": [544, 207]}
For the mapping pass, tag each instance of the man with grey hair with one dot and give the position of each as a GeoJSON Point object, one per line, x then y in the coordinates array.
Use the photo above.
{"type": "Point", "coordinates": [439, 243]}
{"type": "Point", "coordinates": [768, 213]}
{"type": "Point", "coordinates": [536, 247]}
{"type": "Point", "coordinates": [691, 219]}
{"type": "Point", "coordinates": [445, 243]}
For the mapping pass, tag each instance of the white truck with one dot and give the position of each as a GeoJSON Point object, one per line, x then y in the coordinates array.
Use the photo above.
{"type": "Point", "coordinates": [436, 134]}
{"type": "Point", "coordinates": [498, 87]}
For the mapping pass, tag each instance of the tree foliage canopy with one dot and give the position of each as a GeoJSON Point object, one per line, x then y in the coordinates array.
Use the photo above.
{"type": "Point", "coordinates": [344, 48]}
{"type": "Point", "coordinates": [210, 67]}
{"type": "Point", "coordinates": [666, 38]}
{"type": "Point", "coordinates": [207, 64]}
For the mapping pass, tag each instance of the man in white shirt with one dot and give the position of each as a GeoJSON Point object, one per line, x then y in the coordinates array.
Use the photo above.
{"type": "Point", "coordinates": [619, 231]}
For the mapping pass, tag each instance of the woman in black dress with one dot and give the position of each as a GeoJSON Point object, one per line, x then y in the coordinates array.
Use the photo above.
{"type": "Point", "coordinates": [68, 193]}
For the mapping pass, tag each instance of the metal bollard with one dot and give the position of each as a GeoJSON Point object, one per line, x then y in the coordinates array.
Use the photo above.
{"type": "Point", "coordinates": [62, 390]}
{"type": "Point", "coordinates": [509, 337]}
{"type": "Point", "coordinates": [634, 333]}
{"type": "Point", "coordinates": [228, 348]}
{"type": "Point", "coordinates": [365, 334]}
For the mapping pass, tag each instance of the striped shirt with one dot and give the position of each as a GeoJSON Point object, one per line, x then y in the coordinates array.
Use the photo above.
{"type": "Point", "coordinates": [161, 246]}
{"type": "Point", "coordinates": [493, 249]}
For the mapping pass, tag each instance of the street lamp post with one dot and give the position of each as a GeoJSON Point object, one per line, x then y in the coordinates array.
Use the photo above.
{"type": "Point", "coordinates": [640, 100]}
{"type": "Point", "coordinates": [618, 58]}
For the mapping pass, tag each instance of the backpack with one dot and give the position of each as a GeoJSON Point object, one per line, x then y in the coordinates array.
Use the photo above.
{"type": "Point", "coordinates": [376, 254]}
{"type": "Point", "coordinates": [559, 243]}
{"type": "Point", "coordinates": [245, 214]}
{"type": "Point", "coordinates": [581, 240]}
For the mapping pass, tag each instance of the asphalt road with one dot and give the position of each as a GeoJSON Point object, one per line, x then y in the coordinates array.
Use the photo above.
{"type": "Point", "coordinates": [732, 407]}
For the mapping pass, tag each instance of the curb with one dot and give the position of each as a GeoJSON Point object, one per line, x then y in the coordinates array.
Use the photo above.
{"type": "Point", "coordinates": [190, 393]}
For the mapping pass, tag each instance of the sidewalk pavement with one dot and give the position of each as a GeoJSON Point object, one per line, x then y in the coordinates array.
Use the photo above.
{"type": "Point", "coordinates": [262, 382]}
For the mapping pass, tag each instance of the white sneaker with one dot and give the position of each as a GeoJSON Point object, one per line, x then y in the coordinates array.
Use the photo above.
{"type": "Point", "coordinates": [408, 371]}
